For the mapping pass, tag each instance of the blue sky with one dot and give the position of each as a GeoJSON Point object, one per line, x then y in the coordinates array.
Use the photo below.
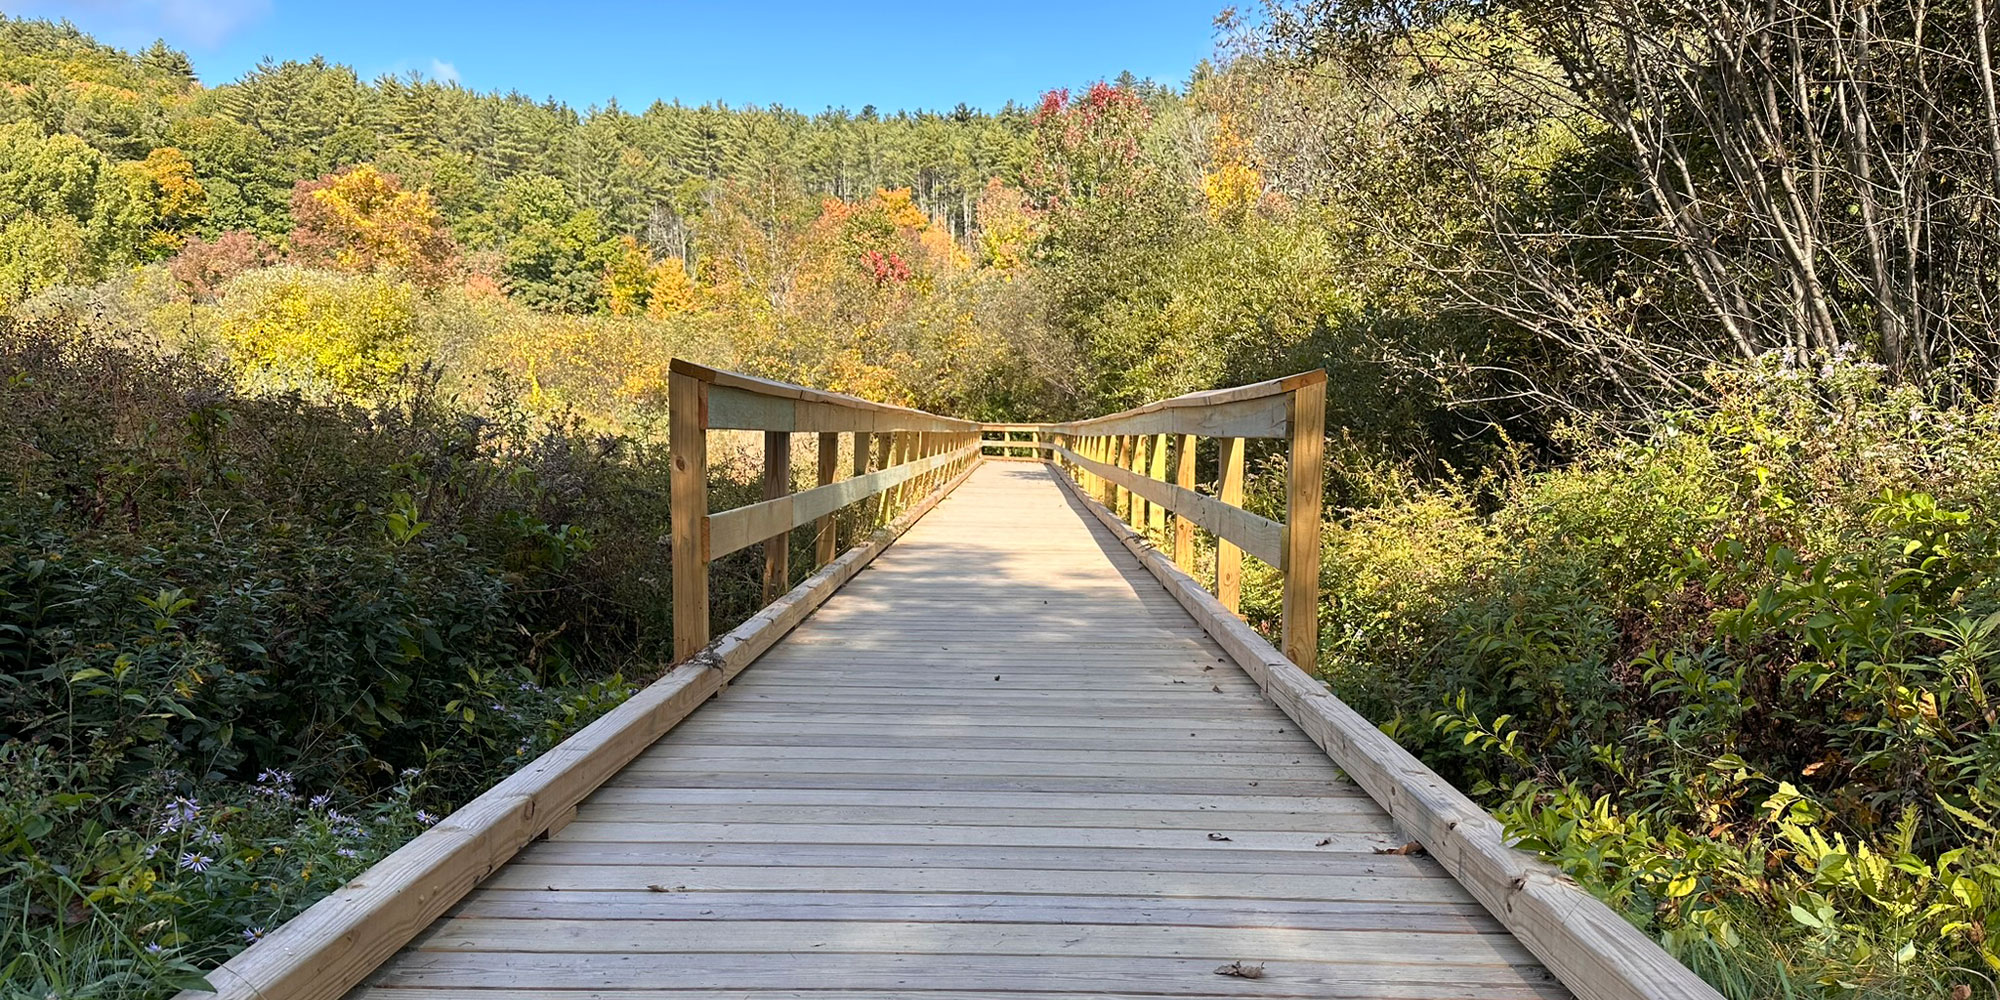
{"type": "Point", "coordinates": [806, 55]}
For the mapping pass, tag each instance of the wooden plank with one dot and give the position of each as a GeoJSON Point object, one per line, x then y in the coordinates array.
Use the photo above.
{"type": "Point", "coordinates": [1305, 472]}
{"type": "Point", "coordinates": [1590, 948]}
{"type": "Point", "coordinates": [972, 984]}
{"type": "Point", "coordinates": [872, 975]}
{"type": "Point", "coordinates": [1261, 537]}
{"type": "Point", "coordinates": [1229, 558]}
{"type": "Point", "coordinates": [1305, 822]}
{"type": "Point", "coordinates": [665, 834]}
{"type": "Point", "coordinates": [687, 487]}
{"type": "Point", "coordinates": [1426, 918]}
{"type": "Point", "coordinates": [1352, 799]}
{"type": "Point", "coordinates": [777, 483]}
{"type": "Point", "coordinates": [1219, 944]}
{"type": "Point", "coordinates": [1163, 885]}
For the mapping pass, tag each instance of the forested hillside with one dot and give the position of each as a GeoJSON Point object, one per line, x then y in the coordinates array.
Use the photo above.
{"type": "Point", "coordinates": [1663, 433]}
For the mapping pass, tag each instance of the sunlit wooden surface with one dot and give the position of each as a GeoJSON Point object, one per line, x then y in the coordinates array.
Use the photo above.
{"type": "Point", "coordinates": [1000, 763]}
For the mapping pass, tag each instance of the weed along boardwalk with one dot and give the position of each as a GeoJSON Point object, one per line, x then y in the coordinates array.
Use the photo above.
{"type": "Point", "coordinates": [1017, 753]}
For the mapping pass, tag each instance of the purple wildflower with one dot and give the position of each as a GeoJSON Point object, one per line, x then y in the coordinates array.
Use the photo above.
{"type": "Point", "coordinates": [192, 862]}
{"type": "Point", "coordinates": [179, 813]}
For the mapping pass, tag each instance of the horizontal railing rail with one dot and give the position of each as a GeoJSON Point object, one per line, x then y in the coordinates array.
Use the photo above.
{"type": "Point", "coordinates": [1011, 444]}
{"type": "Point", "coordinates": [1121, 459]}
{"type": "Point", "coordinates": [899, 454]}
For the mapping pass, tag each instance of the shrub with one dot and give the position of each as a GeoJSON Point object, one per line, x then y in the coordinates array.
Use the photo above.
{"type": "Point", "coordinates": [348, 333]}
{"type": "Point", "coordinates": [250, 641]}
{"type": "Point", "coordinates": [1736, 675]}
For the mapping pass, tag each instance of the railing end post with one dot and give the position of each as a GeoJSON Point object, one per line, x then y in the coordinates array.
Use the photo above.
{"type": "Point", "coordinates": [687, 511]}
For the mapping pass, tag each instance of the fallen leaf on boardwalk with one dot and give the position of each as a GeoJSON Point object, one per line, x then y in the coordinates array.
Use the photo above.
{"type": "Point", "coordinates": [1410, 848]}
{"type": "Point", "coordinates": [1217, 836]}
{"type": "Point", "coordinates": [1324, 841]}
{"type": "Point", "coordinates": [1210, 666]}
{"type": "Point", "coordinates": [1180, 682]}
{"type": "Point", "coordinates": [1241, 971]}
{"type": "Point", "coordinates": [1217, 689]}
{"type": "Point", "coordinates": [663, 888]}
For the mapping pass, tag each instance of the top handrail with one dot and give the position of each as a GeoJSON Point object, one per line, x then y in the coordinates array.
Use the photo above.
{"type": "Point", "coordinates": [1209, 397]}
{"type": "Point", "coordinates": [824, 411]}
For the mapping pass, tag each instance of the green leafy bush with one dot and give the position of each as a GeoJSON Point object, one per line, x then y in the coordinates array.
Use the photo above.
{"type": "Point", "coordinates": [252, 641]}
{"type": "Point", "coordinates": [1735, 676]}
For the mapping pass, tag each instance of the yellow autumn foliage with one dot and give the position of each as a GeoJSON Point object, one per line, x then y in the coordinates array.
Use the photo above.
{"type": "Point", "coordinates": [1231, 186]}
{"type": "Point", "coordinates": [345, 332]}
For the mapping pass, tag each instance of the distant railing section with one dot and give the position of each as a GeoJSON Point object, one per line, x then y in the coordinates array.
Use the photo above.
{"type": "Point", "coordinates": [1024, 441]}
{"type": "Point", "coordinates": [1121, 459]}
{"type": "Point", "coordinates": [911, 454]}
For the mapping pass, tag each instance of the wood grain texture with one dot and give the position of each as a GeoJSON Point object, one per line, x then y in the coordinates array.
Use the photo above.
{"type": "Point", "coordinates": [1305, 482]}
{"type": "Point", "coordinates": [687, 428]}
{"type": "Point", "coordinates": [1000, 759]}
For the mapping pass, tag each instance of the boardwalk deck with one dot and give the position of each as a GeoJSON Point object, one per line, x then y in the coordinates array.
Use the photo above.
{"type": "Point", "coordinates": [1002, 762]}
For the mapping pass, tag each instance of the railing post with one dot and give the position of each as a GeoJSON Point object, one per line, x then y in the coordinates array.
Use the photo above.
{"type": "Point", "coordinates": [1127, 447]}
{"type": "Point", "coordinates": [1137, 518]}
{"type": "Point", "coordinates": [687, 493]}
{"type": "Point", "coordinates": [1114, 455]}
{"type": "Point", "coordinates": [1184, 528]}
{"type": "Point", "coordinates": [777, 483]}
{"type": "Point", "coordinates": [1229, 558]}
{"type": "Point", "coordinates": [858, 521]}
{"type": "Point", "coordinates": [1156, 515]}
{"type": "Point", "coordinates": [884, 452]}
{"type": "Point", "coordinates": [1305, 471]}
{"type": "Point", "coordinates": [825, 545]}
{"type": "Point", "coordinates": [1107, 452]}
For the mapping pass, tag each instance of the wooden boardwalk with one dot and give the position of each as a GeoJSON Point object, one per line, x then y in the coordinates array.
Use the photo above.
{"type": "Point", "coordinates": [1001, 762]}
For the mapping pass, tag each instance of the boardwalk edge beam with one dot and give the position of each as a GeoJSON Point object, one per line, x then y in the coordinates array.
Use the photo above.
{"type": "Point", "coordinates": [1589, 947]}
{"type": "Point", "coordinates": [337, 942]}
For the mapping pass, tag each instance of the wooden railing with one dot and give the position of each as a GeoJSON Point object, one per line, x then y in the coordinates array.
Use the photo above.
{"type": "Point", "coordinates": [1027, 441]}
{"type": "Point", "coordinates": [913, 454]}
{"type": "Point", "coordinates": [1121, 459]}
